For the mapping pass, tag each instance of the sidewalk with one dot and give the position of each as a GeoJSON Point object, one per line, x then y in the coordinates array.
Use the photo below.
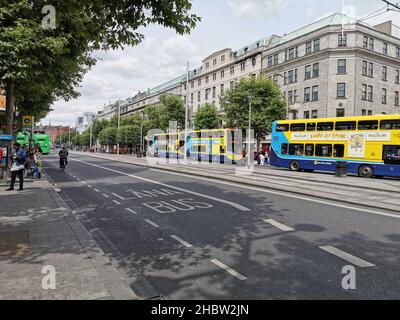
{"type": "Point", "coordinates": [38, 229]}
{"type": "Point", "coordinates": [371, 193]}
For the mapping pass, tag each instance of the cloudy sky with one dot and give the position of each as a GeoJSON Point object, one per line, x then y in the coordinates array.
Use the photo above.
{"type": "Point", "coordinates": [225, 24]}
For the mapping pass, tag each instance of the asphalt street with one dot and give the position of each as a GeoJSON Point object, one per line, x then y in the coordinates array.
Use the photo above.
{"type": "Point", "coordinates": [184, 237]}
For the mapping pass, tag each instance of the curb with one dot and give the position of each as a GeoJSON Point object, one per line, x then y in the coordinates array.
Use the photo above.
{"type": "Point", "coordinates": [223, 178]}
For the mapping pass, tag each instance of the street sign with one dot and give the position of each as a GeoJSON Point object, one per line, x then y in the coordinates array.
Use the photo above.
{"type": "Point", "coordinates": [27, 122]}
{"type": "Point", "coordinates": [6, 137]}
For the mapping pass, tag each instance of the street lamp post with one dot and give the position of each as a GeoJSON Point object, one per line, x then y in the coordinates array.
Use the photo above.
{"type": "Point", "coordinates": [287, 94]}
{"type": "Point", "coordinates": [141, 135]}
{"type": "Point", "coordinates": [186, 111]}
{"type": "Point", "coordinates": [90, 136]}
{"type": "Point", "coordinates": [119, 121]}
{"type": "Point", "coordinates": [248, 136]}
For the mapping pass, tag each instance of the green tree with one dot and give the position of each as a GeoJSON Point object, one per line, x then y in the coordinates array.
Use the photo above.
{"type": "Point", "coordinates": [98, 125]}
{"type": "Point", "coordinates": [174, 111]}
{"type": "Point", "coordinates": [154, 118]}
{"type": "Point", "coordinates": [267, 102]}
{"type": "Point", "coordinates": [129, 135]}
{"type": "Point", "coordinates": [108, 136]}
{"type": "Point", "coordinates": [206, 117]}
{"type": "Point", "coordinates": [85, 138]}
{"type": "Point", "coordinates": [40, 65]}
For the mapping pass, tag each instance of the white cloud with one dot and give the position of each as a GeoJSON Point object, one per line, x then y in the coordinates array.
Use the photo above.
{"type": "Point", "coordinates": [257, 8]}
{"type": "Point", "coordinates": [120, 74]}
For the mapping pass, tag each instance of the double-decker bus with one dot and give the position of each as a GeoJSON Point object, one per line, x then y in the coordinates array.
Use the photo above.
{"type": "Point", "coordinates": [216, 145]}
{"type": "Point", "coordinates": [369, 145]}
{"type": "Point", "coordinates": [40, 138]}
{"type": "Point", "coordinates": [43, 140]}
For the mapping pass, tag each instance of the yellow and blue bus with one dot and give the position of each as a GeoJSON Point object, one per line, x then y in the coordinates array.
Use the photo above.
{"type": "Point", "coordinates": [216, 145]}
{"type": "Point", "coordinates": [369, 145]}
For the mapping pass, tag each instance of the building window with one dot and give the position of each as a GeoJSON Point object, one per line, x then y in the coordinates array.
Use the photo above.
{"type": "Point", "coordinates": [199, 82]}
{"type": "Point", "coordinates": [364, 92]}
{"type": "Point", "coordinates": [222, 73]}
{"type": "Point", "coordinates": [232, 84]}
{"type": "Point", "coordinates": [292, 76]}
{"type": "Point", "coordinates": [307, 94]}
{"type": "Point", "coordinates": [207, 65]}
{"type": "Point", "coordinates": [275, 78]}
{"type": "Point", "coordinates": [365, 68]}
{"type": "Point", "coordinates": [365, 42]}
{"type": "Point", "coordinates": [384, 73]}
{"type": "Point", "coordinates": [316, 45]}
{"type": "Point", "coordinates": [341, 68]}
{"type": "Point", "coordinates": [370, 69]}
{"type": "Point", "coordinates": [341, 90]}
{"type": "Point", "coordinates": [363, 112]}
{"type": "Point", "coordinates": [253, 61]}
{"type": "Point", "coordinates": [290, 97]}
{"type": "Point", "coordinates": [384, 96]}
{"type": "Point", "coordinates": [206, 79]}
{"type": "Point", "coordinates": [198, 96]}
{"type": "Point", "coordinates": [370, 95]}
{"type": "Point", "coordinates": [315, 93]}
{"type": "Point", "coordinates": [214, 92]}
{"type": "Point", "coordinates": [307, 74]}
{"type": "Point", "coordinates": [315, 70]}
{"type": "Point", "coordinates": [397, 77]}
{"type": "Point", "coordinates": [214, 76]}
{"type": "Point", "coordinates": [222, 89]}
{"type": "Point", "coordinates": [396, 98]}
{"type": "Point", "coordinates": [285, 80]}
{"type": "Point", "coordinates": [314, 114]}
{"type": "Point", "coordinates": [398, 52]}
{"type": "Point", "coordinates": [371, 44]}
{"type": "Point", "coordinates": [308, 47]}
{"type": "Point", "coordinates": [191, 98]}
{"type": "Point", "coordinates": [276, 59]}
{"type": "Point", "coordinates": [385, 48]}
{"type": "Point", "coordinates": [243, 66]}
{"type": "Point", "coordinates": [306, 115]}
{"type": "Point", "coordinates": [214, 61]}
{"type": "Point", "coordinates": [340, 112]}
{"type": "Point", "coordinates": [270, 61]}
{"type": "Point", "coordinates": [342, 40]}
{"type": "Point", "coordinates": [207, 93]}
{"type": "Point", "coordinates": [192, 84]}
{"type": "Point", "coordinates": [222, 58]}
{"type": "Point", "coordinates": [232, 70]}
{"type": "Point", "coordinates": [370, 112]}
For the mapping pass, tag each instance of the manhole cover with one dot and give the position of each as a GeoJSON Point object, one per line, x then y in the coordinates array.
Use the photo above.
{"type": "Point", "coordinates": [14, 243]}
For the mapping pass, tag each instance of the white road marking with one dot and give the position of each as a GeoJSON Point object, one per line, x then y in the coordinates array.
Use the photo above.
{"type": "Point", "coordinates": [96, 190]}
{"type": "Point", "coordinates": [233, 204]}
{"type": "Point", "coordinates": [155, 225]}
{"type": "Point", "coordinates": [83, 182]}
{"type": "Point", "coordinates": [287, 195]}
{"type": "Point", "coordinates": [347, 256]}
{"type": "Point", "coordinates": [90, 186]}
{"type": "Point", "coordinates": [131, 211]}
{"type": "Point", "coordinates": [185, 243]}
{"type": "Point", "coordinates": [278, 225]}
{"type": "Point", "coordinates": [118, 196]}
{"type": "Point", "coordinates": [116, 202]}
{"type": "Point", "coordinates": [228, 269]}
{"type": "Point", "coordinates": [105, 196]}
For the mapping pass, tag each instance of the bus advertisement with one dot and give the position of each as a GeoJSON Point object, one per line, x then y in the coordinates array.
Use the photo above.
{"type": "Point", "coordinates": [368, 145]}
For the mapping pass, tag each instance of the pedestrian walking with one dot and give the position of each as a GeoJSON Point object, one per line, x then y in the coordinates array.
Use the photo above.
{"type": "Point", "coordinates": [17, 168]}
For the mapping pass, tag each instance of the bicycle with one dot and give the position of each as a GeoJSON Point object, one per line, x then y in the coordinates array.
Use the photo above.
{"type": "Point", "coordinates": [63, 163]}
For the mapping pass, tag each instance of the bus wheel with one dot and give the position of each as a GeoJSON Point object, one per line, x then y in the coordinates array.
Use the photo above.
{"type": "Point", "coordinates": [294, 166]}
{"type": "Point", "coordinates": [366, 171]}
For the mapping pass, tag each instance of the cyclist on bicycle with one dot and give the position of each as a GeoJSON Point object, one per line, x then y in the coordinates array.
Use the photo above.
{"type": "Point", "coordinates": [63, 154]}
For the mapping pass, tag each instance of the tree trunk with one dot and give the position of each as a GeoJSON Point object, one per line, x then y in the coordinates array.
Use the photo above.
{"type": "Point", "coordinates": [258, 143]}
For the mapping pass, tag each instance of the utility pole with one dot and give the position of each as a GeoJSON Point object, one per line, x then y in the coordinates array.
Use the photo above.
{"type": "Point", "coordinates": [186, 112]}
{"type": "Point", "coordinates": [141, 135]}
{"type": "Point", "coordinates": [248, 136]}
{"type": "Point", "coordinates": [90, 137]}
{"type": "Point", "coordinates": [69, 134]}
{"type": "Point", "coordinates": [119, 121]}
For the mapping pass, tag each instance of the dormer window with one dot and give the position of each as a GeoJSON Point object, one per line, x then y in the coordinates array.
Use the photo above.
{"type": "Point", "coordinates": [246, 50]}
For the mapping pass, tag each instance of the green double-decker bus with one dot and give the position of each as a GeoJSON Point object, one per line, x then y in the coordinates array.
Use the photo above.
{"type": "Point", "coordinates": [40, 138]}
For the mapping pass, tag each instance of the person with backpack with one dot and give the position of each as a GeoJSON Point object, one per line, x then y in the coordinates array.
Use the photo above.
{"type": "Point", "coordinates": [17, 167]}
{"type": "Point", "coordinates": [63, 154]}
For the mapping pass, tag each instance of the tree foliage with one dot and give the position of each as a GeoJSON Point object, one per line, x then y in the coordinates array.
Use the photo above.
{"type": "Point", "coordinates": [206, 117]}
{"type": "Point", "coordinates": [267, 103]}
